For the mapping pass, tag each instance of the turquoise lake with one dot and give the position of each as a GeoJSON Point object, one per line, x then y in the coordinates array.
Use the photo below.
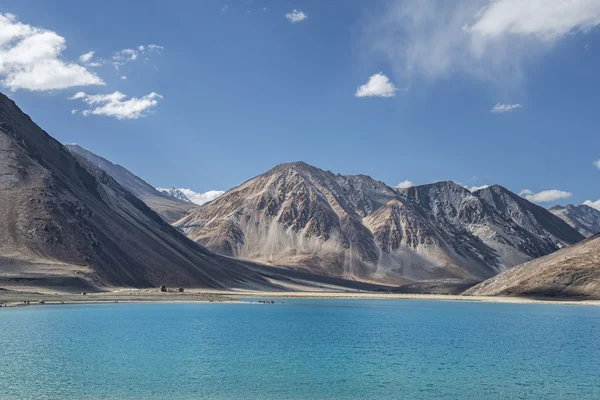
{"type": "Point", "coordinates": [302, 349]}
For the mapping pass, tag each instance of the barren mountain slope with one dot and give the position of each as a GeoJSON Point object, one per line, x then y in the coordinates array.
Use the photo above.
{"type": "Point", "coordinates": [570, 272]}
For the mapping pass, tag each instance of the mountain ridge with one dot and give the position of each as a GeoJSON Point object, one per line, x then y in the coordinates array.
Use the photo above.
{"type": "Point", "coordinates": [359, 228]}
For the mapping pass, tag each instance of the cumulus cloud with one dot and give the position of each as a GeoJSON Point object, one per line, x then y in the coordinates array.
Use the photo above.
{"type": "Point", "coordinates": [503, 108]}
{"type": "Point", "coordinates": [545, 196]}
{"type": "Point", "coordinates": [483, 38]}
{"type": "Point", "coordinates": [116, 105]}
{"type": "Point", "coordinates": [201, 198]}
{"type": "Point", "coordinates": [296, 16]}
{"type": "Point", "coordinates": [378, 85]}
{"type": "Point", "coordinates": [31, 59]}
{"type": "Point", "coordinates": [597, 164]}
{"type": "Point", "coordinates": [404, 184]}
{"type": "Point", "coordinates": [593, 204]}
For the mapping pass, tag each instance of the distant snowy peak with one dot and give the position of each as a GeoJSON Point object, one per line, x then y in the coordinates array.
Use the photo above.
{"type": "Point", "coordinates": [189, 196]}
{"type": "Point", "coordinates": [175, 193]}
{"type": "Point", "coordinates": [581, 217]}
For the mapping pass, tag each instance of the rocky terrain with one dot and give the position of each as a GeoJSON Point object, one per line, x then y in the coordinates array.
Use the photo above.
{"type": "Point", "coordinates": [358, 228]}
{"type": "Point", "coordinates": [581, 217]}
{"type": "Point", "coordinates": [571, 272]}
{"type": "Point", "coordinates": [169, 206]}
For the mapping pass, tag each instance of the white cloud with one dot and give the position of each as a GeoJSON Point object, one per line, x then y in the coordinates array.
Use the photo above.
{"type": "Point", "coordinates": [74, 111]}
{"type": "Point", "coordinates": [123, 77]}
{"type": "Point", "coordinates": [115, 105]}
{"type": "Point", "coordinates": [544, 196]}
{"type": "Point", "coordinates": [30, 59]}
{"type": "Point", "coordinates": [597, 164]}
{"type": "Point", "coordinates": [404, 184]}
{"type": "Point", "coordinates": [88, 60]}
{"type": "Point", "coordinates": [476, 188]}
{"type": "Point", "coordinates": [296, 16]}
{"type": "Point", "coordinates": [483, 38]}
{"type": "Point", "coordinates": [200, 198]}
{"type": "Point", "coordinates": [124, 56]}
{"type": "Point", "coordinates": [503, 108]}
{"type": "Point", "coordinates": [593, 204]}
{"type": "Point", "coordinates": [378, 86]}
{"type": "Point", "coordinates": [87, 57]}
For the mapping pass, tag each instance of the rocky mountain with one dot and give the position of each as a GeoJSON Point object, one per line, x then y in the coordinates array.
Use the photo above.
{"type": "Point", "coordinates": [581, 217]}
{"type": "Point", "coordinates": [169, 207]}
{"type": "Point", "coordinates": [359, 228]}
{"type": "Point", "coordinates": [570, 272]}
{"type": "Point", "coordinates": [67, 223]}
{"type": "Point", "coordinates": [176, 194]}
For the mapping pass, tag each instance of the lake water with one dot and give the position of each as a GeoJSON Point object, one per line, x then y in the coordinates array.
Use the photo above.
{"type": "Point", "coordinates": [302, 349]}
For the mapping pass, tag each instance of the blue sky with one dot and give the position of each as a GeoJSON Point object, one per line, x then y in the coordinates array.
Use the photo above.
{"type": "Point", "coordinates": [232, 88]}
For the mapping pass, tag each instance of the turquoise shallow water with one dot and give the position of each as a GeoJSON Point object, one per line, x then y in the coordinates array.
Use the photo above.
{"type": "Point", "coordinates": [303, 349]}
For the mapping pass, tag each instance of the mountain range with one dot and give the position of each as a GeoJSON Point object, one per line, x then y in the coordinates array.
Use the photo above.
{"type": "Point", "coordinates": [69, 217]}
{"type": "Point", "coordinates": [355, 227]}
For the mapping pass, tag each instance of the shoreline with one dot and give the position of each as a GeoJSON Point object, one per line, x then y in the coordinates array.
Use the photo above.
{"type": "Point", "coordinates": [16, 298]}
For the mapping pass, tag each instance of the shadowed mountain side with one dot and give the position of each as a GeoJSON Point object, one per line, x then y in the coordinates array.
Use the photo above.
{"type": "Point", "coordinates": [164, 204]}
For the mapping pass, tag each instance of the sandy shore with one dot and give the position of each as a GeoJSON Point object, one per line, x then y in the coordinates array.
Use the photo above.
{"type": "Point", "coordinates": [12, 298]}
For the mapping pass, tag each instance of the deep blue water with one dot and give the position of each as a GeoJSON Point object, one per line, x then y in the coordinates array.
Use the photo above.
{"type": "Point", "coordinates": [303, 349]}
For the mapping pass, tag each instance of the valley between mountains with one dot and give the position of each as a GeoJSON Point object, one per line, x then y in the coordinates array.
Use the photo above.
{"type": "Point", "coordinates": [71, 218]}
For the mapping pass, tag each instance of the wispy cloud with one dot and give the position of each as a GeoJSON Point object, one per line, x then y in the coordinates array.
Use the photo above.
{"type": "Point", "coordinates": [504, 108]}
{"type": "Point", "coordinates": [31, 59]}
{"type": "Point", "coordinates": [483, 38]}
{"type": "Point", "coordinates": [88, 60]}
{"type": "Point", "coordinates": [296, 16]}
{"type": "Point", "coordinates": [121, 57]}
{"type": "Point", "coordinates": [545, 196]}
{"type": "Point", "coordinates": [117, 105]}
{"type": "Point", "coordinates": [378, 85]}
{"type": "Point", "coordinates": [597, 164]}
{"type": "Point", "coordinates": [404, 184]}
